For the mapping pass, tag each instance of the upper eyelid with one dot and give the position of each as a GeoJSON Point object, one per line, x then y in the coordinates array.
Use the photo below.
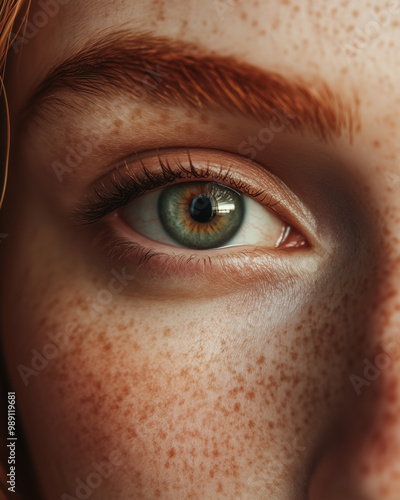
{"type": "Point", "coordinates": [134, 186]}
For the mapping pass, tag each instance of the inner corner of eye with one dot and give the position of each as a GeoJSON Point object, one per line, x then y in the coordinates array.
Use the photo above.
{"type": "Point", "coordinates": [291, 238]}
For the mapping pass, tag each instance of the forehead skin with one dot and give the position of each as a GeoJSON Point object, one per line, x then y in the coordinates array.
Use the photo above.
{"type": "Point", "coordinates": [199, 400]}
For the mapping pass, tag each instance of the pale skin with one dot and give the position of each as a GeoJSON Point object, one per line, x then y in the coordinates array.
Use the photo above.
{"type": "Point", "coordinates": [209, 384]}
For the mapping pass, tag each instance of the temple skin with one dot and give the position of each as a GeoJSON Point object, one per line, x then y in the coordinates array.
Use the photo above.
{"type": "Point", "coordinates": [276, 377]}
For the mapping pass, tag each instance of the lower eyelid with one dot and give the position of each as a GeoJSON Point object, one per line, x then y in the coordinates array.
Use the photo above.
{"type": "Point", "coordinates": [173, 270]}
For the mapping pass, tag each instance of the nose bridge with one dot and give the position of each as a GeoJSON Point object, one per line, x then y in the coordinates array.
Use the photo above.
{"type": "Point", "coordinates": [375, 452]}
{"type": "Point", "coordinates": [379, 469]}
{"type": "Point", "coordinates": [363, 462]}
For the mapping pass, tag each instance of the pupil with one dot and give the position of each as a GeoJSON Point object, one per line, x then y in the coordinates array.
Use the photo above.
{"type": "Point", "coordinates": [201, 208]}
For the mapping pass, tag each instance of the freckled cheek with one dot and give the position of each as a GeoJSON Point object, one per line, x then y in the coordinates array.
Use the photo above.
{"type": "Point", "coordinates": [161, 388]}
{"type": "Point", "coordinates": [161, 392]}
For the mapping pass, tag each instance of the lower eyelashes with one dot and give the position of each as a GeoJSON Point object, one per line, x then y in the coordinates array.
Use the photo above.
{"type": "Point", "coordinates": [198, 202]}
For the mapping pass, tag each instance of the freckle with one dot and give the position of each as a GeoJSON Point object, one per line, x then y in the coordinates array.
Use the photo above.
{"type": "Point", "coordinates": [243, 15]}
{"type": "Point", "coordinates": [261, 360]}
{"type": "Point", "coordinates": [250, 395]}
{"type": "Point", "coordinates": [263, 33]}
{"type": "Point", "coordinates": [377, 144]}
{"type": "Point", "coordinates": [211, 473]}
{"type": "Point", "coordinates": [236, 407]}
{"type": "Point", "coordinates": [254, 23]}
{"type": "Point", "coordinates": [355, 13]}
{"type": "Point", "coordinates": [172, 453]}
{"type": "Point", "coordinates": [166, 465]}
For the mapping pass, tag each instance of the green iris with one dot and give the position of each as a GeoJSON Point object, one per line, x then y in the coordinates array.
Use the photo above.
{"type": "Point", "coordinates": [201, 215]}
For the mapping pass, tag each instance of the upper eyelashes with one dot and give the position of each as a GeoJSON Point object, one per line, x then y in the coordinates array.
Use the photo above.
{"type": "Point", "coordinates": [125, 185]}
{"type": "Point", "coordinates": [202, 204]}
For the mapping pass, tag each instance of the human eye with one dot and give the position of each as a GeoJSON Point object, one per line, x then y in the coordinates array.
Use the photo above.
{"type": "Point", "coordinates": [194, 205]}
{"type": "Point", "coordinates": [204, 215]}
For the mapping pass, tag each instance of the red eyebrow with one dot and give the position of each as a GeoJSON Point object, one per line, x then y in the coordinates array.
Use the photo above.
{"type": "Point", "coordinates": [181, 74]}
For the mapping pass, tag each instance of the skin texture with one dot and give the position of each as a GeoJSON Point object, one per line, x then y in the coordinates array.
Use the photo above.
{"type": "Point", "coordinates": [210, 381]}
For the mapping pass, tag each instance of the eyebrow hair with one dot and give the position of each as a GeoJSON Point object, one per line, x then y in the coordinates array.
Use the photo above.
{"type": "Point", "coordinates": [177, 73]}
